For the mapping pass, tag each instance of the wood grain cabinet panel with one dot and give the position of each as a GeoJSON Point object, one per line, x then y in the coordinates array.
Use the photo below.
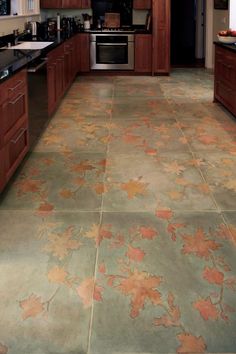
{"type": "Point", "coordinates": [143, 53]}
{"type": "Point", "coordinates": [14, 134]}
{"type": "Point", "coordinates": [71, 4]}
{"type": "Point", "coordinates": [85, 4]}
{"type": "Point", "coordinates": [142, 4]}
{"type": "Point", "coordinates": [225, 78]}
{"type": "Point", "coordinates": [83, 52]}
{"type": "Point", "coordinates": [161, 36]}
{"type": "Point", "coordinates": [51, 4]}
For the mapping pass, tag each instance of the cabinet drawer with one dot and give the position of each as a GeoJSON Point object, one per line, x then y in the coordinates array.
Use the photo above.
{"type": "Point", "coordinates": [15, 150]}
{"type": "Point", "coordinates": [13, 110]}
{"type": "Point", "coordinates": [10, 88]}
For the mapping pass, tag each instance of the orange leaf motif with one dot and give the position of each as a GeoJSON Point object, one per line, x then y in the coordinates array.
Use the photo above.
{"type": "Point", "coordinates": [82, 167]}
{"type": "Point", "coordinates": [99, 233]}
{"type": "Point", "coordinates": [58, 275]}
{"type": "Point", "coordinates": [99, 188]}
{"type": "Point", "coordinates": [199, 245]}
{"type": "Point", "coordinates": [208, 139]}
{"type": "Point", "coordinates": [173, 316]}
{"type": "Point", "coordinates": [213, 276]}
{"type": "Point", "coordinates": [61, 243]}
{"type": "Point", "coordinates": [66, 193]}
{"type": "Point", "coordinates": [165, 214]}
{"type": "Point", "coordinates": [29, 186]}
{"type": "Point", "coordinates": [45, 209]}
{"type": "Point", "coordinates": [134, 188]}
{"type": "Point", "coordinates": [3, 349]}
{"type": "Point", "coordinates": [174, 167]}
{"type": "Point", "coordinates": [88, 290]}
{"type": "Point", "coordinates": [172, 229]}
{"type": "Point", "coordinates": [32, 306]}
{"type": "Point", "coordinates": [148, 233]}
{"type": "Point", "coordinates": [141, 287]}
{"type": "Point", "coordinates": [207, 309]}
{"type": "Point", "coordinates": [135, 254]}
{"type": "Point", "coordinates": [190, 344]}
{"type": "Point", "coordinates": [102, 268]}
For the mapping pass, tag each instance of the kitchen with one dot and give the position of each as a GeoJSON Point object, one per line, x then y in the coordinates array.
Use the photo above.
{"type": "Point", "coordinates": [117, 230]}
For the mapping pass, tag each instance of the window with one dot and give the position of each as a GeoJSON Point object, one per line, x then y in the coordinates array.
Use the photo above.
{"type": "Point", "coordinates": [24, 7]}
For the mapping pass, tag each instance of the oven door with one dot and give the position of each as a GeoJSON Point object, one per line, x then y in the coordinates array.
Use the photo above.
{"type": "Point", "coordinates": [112, 52]}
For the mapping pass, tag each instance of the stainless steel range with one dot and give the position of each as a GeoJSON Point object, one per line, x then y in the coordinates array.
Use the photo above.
{"type": "Point", "coordinates": [112, 50]}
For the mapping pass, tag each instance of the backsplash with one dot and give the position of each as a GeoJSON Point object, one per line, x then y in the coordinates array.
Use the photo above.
{"type": "Point", "coordinates": [8, 24]}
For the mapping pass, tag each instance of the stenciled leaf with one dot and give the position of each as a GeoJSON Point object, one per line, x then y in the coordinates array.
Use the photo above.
{"type": "Point", "coordinates": [32, 306]}
{"type": "Point", "coordinates": [172, 318]}
{"type": "Point", "coordinates": [174, 167]}
{"type": "Point", "coordinates": [3, 349]}
{"type": "Point", "coordinates": [99, 233]}
{"type": "Point", "coordinates": [148, 232]}
{"type": "Point", "coordinates": [165, 214]}
{"type": "Point", "coordinates": [199, 245]}
{"type": "Point", "coordinates": [213, 275]}
{"type": "Point", "coordinates": [88, 291]}
{"type": "Point", "coordinates": [191, 344]}
{"type": "Point", "coordinates": [134, 188]}
{"type": "Point", "coordinates": [135, 254]}
{"type": "Point", "coordinates": [207, 309]}
{"type": "Point", "coordinates": [58, 275]}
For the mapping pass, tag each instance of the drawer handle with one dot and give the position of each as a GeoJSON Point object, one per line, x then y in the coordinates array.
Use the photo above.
{"type": "Point", "coordinates": [20, 82]}
{"type": "Point", "coordinates": [17, 99]}
{"type": "Point", "coordinates": [22, 131]}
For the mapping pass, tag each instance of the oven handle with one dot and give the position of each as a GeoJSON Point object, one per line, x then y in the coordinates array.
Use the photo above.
{"type": "Point", "coordinates": [111, 44]}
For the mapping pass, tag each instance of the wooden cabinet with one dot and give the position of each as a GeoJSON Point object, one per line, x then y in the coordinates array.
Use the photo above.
{"type": "Point", "coordinates": [65, 4]}
{"type": "Point", "coordinates": [14, 136]}
{"type": "Point", "coordinates": [61, 71]}
{"type": "Point", "coordinates": [225, 78]}
{"type": "Point", "coordinates": [161, 36]}
{"type": "Point", "coordinates": [143, 53]}
{"type": "Point", "coordinates": [83, 52]}
{"type": "Point", "coordinates": [51, 4]}
{"type": "Point", "coordinates": [142, 4]}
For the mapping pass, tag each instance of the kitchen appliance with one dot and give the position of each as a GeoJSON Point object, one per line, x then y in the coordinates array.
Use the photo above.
{"type": "Point", "coordinates": [112, 51]}
{"type": "Point", "coordinates": [52, 27]}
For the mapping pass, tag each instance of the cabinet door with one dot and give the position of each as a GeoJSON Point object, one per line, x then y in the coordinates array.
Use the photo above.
{"type": "Point", "coordinates": [51, 83]}
{"type": "Point", "coordinates": [51, 4]}
{"type": "Point", "coordinates": [161, 36]}
{"type": "Point", "coordinates": [83, 52]}
{"type": "Point", "coordinates": [142, 4]}
{"type": "Point", "coordinates": [85, 4]}
{"type": "Point", "coordinates": [15, 150]}
{"type": "Point", "coordinates": [143, 53]}
{"type": "Point", "coordinates": [71, 4]}
{"type": "Point", "coordinates": [59, 83]}
{"type": "Point", "coordinates": [2, 169]}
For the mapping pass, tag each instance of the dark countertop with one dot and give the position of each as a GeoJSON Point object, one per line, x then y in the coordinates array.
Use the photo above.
{"type": "Point", "coordinates": [231, 47]}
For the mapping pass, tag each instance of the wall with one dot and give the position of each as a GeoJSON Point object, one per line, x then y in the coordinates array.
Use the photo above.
{"type": "Point", "coordinates": [216, 20]}
{"type": "Point", "coordinates": [232, 19]}
{"type": "Point", "coordinates": [8, 24]}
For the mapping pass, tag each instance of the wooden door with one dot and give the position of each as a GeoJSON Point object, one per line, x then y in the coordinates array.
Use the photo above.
{"type": "Point", "coordinates": [143, 53]}
{"type": "Point", "coordinates": [83, 52]}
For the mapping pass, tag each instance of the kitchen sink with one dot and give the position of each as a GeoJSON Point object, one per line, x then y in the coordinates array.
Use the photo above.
{"type": "Point", "coordinates": [30, 45]}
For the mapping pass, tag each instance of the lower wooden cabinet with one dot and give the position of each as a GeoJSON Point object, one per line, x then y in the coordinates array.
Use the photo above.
{"type": "Point", "coordinates": [143, 53]}
{"type": "Point", "coordinates": [225, 78]}
{"type": "Point", "coordinates": [83, 52]}
{"type": "Point", "coordinates": [14, 132]}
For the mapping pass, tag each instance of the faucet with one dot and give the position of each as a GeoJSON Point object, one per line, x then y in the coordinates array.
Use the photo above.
{"type": "Point", "coordinates": [17, 35]}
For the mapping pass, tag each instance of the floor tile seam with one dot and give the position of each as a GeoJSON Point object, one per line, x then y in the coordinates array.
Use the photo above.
{"type": "Point", "coordinates": [199, 169]}
{"type": "Point", "coordinates": [228, 228]}
{"type": "Point", "coordinates": [97, 250]}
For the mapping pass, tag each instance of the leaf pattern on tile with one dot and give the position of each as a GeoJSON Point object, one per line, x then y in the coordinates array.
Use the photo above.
{"type": "Point", "coordinates": [190, 344]}
{"type": "Point", "coordinates": [88, 291]}
{"type": "Point", "coordinates": [134, 188]}
{"type": "Point", "coordinates": [32, 306]}
{"type": "Point", "coordinates": [3, 349]}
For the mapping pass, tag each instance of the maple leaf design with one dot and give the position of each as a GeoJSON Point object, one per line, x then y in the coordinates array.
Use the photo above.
{"type": "Point", "coordinates": [58, 275]}
{"type": "Point", "coordinates": [176, 195]}
{"type": "Point", "coordinates": [190, 344]}
{"type": "Point", "coordinates": [32, 306]}
{"type": "Point", "coordinates": [174, 167]}
{"type": "Point", "coordinates": [173, 316]}
{"type": "Point", "coordinates": [172, 228]}
{"type": "Point", "coordinates": [151, 152]}
{"type": "Point", "coordinates": [45, 209]}
{"type": "Point", "coordinates": [61, 243]}
{"type": "Point", "coordinates": [199, 245]}
{"type": "Point", "coordinates": [100, 188]}
{"type": "Point", "coordinates": [131, 139]}
{"type": "Point", "coordinates": [88, 291]}
{"type": "Point", "coordinates": [66, 193]}
{"type": "Point", "coordinates": [134, 188]}
{"type": "Point", "coordinates": [98, 233]}
{"type": "Point", "coordinates": [148, 232]}
{"type": "Point", "coordinates": [213, 276]}
{"type": "Point", "coordinates": [135, 254]}
{"type": "Point", "coordinates": [207, 309]}
{"type": "Point", "coordinates": [82, 167]}
{"type": "Point", "coordinates": [3, 349]}
{"type": "Point", "coordinates": [208, 139]}
{"type": "Point", "coordinates": [165, 214]}
{"type": "Point", "coordinates": [141, 286]}
{"type": "Point", "coordinates": [231, 184]}
{"type": "Point", "coordinates": [29, 186]}
{"type": "Point", "coordinates": [102, 268]}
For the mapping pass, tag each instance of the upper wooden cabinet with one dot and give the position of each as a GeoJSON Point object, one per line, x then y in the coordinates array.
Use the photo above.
{"type": "Point", "coordinates": [65, 4]}
{"type": "Point", "coordinates": [142, 4]}
{"type": "Point", "coordinates": [51, 4]}
{"type": "Point", "coordinates": [161, 36]}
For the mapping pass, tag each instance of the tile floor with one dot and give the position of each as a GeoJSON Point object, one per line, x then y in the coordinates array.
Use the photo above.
{"type": "Point", "coordinates": [118, 232]}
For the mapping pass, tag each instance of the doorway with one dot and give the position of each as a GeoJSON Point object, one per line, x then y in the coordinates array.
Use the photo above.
{"type": "Point", "coordinates": [187, 32]}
